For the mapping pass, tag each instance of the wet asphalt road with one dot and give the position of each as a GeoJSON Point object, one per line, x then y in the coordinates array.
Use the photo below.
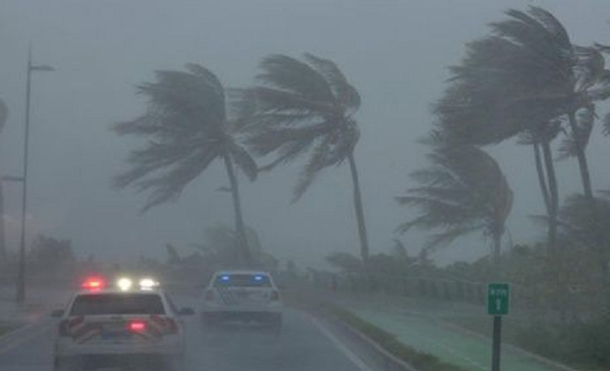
{"type": "Point", "coordinates": [303, 344]}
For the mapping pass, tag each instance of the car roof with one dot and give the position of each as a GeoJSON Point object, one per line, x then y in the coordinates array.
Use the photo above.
{"type": "Point", "coordinates": [241, 271]}
{"type": "Point", "coordinates": [117, 291]}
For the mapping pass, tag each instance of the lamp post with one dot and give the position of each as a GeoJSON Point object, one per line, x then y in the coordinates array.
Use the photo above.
{"type": "Point", "coordinates": [24, 178]}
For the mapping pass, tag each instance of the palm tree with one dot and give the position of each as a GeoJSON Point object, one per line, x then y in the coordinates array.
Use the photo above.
{"type": "Point", "coordinates": [525, 78]}
{"type": "Point", "coordinates": [540, 137]}
{"type": "Point", "coordinates": [462, 191]}
{"type": "Point", "coordinates": [305, 108]}
{"type": "Point", "coordinates": [3, 253]}
{"type": "Point", "coordinates": [187, 127]}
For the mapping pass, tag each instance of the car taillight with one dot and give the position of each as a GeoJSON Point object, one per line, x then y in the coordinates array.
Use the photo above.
{"type": "Point", "coordinates": [209, 295]}
{"type": "Point", "coordinates": [63, 328]}
{"type": "Point", "coordinates": [275, 295]}
{"type": "Point", "coordinates": [137, 326]}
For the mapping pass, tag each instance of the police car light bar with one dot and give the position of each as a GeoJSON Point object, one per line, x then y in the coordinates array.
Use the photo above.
{"type": "Point", "coordinates": [148, 284]}
{"type": "Point", "coordinates": [94, 283]}
{"type": "Point", "coordinates": [124, 284]}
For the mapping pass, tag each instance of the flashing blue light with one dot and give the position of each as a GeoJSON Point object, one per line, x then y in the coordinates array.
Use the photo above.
{"type": "Point", "coordinates": [258, 278]}
{"type": "Point", "coordinates": [225, 278]}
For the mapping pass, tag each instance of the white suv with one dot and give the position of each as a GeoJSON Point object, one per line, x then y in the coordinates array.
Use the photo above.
{"type": "Point", "coordinates": [100, 327]}
{"type": "Point", "coordinates": [242, 295]}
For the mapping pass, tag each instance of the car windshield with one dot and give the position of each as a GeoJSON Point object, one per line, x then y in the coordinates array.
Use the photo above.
{"type": "Point", "coordinates": [242, 280]}
{"type": "Point", "coordinates": [108, 304]}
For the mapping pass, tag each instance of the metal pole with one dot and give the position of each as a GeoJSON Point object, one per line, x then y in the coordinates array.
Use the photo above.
{"type": "Point", "coordinates": [496, 344]}
{"type": "Point", "coordinates": [24, 184]}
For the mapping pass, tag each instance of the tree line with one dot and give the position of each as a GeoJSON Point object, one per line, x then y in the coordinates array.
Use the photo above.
{"type": "Point", "coordinates": [524, 80]}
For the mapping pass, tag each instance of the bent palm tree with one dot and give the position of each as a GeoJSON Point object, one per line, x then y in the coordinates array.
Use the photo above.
{"type": "Point", "coordinates": [3, 254]}
{"type": "Point", "coordinates": [187, 129]}
{"type": "Point", "coordinates": [463, 191]}
{"type": "Point", "coordinates": [525, 78]}
{"type": "Point", "coordinates": [305, 107]}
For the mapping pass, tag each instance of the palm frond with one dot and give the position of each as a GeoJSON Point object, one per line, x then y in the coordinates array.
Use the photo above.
{"type": "Point", "coordinates": [606, 124]}
{"type": "Point", "coordinates": [186, 128]}
{"type": "Point", "coordinates": [462, 191]}
{"type": "Point", "coordinates": [300, 108]}
{"type": "Point", "coordinates": [320, 158]}
{"type": "Point", "coordinates": [296, 77]}
{"type": "Point", "coordinates": [345, 94]}
{"type": "Point", "coordinates": [169, 185]}
{"type": "Point", "coordinates": [445, 238]}
{"type": "Point", "coordinates": [585, 118]}
{"type": "Point", "coordinates": [244, 161]}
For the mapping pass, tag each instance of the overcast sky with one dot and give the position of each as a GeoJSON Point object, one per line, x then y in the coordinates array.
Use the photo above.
{"type": "Point", "coordinates": [395, 52]}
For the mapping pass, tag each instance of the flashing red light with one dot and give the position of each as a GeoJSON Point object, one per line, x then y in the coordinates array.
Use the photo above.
{"type": "Point", "coordinates": [94, 284]}
{"type": "Point", "coordinates": [137, 326]}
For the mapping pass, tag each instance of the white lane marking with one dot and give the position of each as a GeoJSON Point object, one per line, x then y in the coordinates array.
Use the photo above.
{"type": "Point", "coordinates": [344, 349]}
{"type": "Point", "coordinates": [20, 340]}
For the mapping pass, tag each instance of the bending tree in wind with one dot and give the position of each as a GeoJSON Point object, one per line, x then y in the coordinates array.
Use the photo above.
{"type": "Point", "coordinates": [3, 254]}
{"type": "Point", "coordinates": [528, 79]}
{"type": "Point", "coordinates": [461, 192]}
{"type": "Point", "coordinates": [305, 108]}
{"type": "Point", "coordinates": [187, 127]}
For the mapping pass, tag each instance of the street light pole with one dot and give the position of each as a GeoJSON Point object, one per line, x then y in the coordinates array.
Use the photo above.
{"type": "Point", "coordinates": [24, 177]}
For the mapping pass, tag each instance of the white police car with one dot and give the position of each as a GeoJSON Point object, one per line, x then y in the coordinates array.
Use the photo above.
{"type": "Point", "coordinates": [126, 325]}
{"type": "Point", "coordinates": [242, 295]}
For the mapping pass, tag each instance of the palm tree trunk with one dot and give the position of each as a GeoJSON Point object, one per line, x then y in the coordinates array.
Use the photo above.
{"type": "Point", "coordinates": [497, 254]}
{"type": "Point", "coordinates": [588, 192]}
{"type": "Point", "coordinates": [542, 177]}
{"type": "Point", "coordinates": [3, 254]}
{"type": "Point", "coordinates": [553, 197]}
{"type": "Point", "coordinates": [582, 158]}
{"type": "Point", "coordinates": [239, 221]}
{"type": "Point", "coordinates": [364, 242]}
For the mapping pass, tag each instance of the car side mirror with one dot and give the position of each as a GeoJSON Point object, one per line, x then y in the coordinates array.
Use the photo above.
{"type": "Point", "coordinates": [57, 313]}
{"type": "Point", "coordinates": [186, 312]}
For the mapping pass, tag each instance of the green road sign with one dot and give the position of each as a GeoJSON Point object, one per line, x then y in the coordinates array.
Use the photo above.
{"type": "Point", "coordinates": [498, 295]}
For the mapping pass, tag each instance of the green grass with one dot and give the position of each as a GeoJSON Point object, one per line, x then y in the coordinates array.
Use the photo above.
{"type": "Point", "coordinates": [420, 360]}
{"type": "Point", "coordinates": [579, 345]}
{"type": "Point", "coordinates": [6, 328]}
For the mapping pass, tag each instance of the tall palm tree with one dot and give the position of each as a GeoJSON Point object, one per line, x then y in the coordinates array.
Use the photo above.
{"type": "Point", "coordinates": [540, 137]}
{"type": "Point", "coordinates": [523, 78]}
{"type": "Point", "coordinates": [187, 127]}
{"type": "Point", "coordinates": [461, 192]}
{"type": "Point", "coordinates": [3, 254]}
{"type": "Point", "coordinates": [305, 108]}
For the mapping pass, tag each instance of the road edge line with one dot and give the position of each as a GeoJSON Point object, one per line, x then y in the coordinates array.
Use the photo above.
{"type": "Point", "coordinates": [357, 361]}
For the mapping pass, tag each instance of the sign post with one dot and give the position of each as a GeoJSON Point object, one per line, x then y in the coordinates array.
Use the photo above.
{"type": "Point", "coordinates": [498, 295]}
